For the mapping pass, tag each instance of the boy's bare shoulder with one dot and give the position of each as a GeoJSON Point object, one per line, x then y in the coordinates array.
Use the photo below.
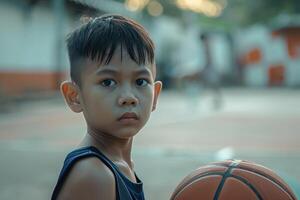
{"type": "Point", "coordinates": [89, 179]}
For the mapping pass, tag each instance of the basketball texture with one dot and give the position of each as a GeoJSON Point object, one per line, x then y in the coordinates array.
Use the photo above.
{"type": "Point", "coordinates": [233, 180]}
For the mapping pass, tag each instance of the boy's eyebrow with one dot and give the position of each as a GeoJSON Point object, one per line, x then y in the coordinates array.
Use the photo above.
{"type": "Point", "coordinates": [107, 71]}
{"type": "Point", "coordinates": [143, 72]}
{"type": "Point", "coordinates": [115, 72]}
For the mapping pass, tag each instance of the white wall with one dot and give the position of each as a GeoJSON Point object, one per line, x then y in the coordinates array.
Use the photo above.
{"type": "Point", "coordinates": [27, 39]}
{"type": "Point", "coordinates": [179, 45]}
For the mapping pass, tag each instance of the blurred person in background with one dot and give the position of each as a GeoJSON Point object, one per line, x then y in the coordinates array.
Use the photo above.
{"type": "Point", "coordinates": [209, 75]}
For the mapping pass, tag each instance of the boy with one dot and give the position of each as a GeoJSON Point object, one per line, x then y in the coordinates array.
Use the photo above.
{"type": "Point", "coordinates": [113, 85]}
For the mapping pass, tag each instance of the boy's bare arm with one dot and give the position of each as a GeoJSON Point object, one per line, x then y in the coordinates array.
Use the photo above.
{"type": "Point", "coordinates": [89, 179]}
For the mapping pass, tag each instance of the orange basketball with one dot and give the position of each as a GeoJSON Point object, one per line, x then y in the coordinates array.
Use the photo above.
{"type": "Point", "coordinates": [233, 180]}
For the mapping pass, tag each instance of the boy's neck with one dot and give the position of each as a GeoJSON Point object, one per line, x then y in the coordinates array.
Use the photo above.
{"type": "Point", "coordinates": [117, 150]}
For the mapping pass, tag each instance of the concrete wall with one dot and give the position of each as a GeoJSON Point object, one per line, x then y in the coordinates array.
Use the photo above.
{"type": "Point", "coordinates": [28, 47]}
{"type": "Point", "coordinates": [27, 37]}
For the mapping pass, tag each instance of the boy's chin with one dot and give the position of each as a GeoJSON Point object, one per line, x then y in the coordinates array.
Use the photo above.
{"type": "Point", "coordinates": [127, 133]}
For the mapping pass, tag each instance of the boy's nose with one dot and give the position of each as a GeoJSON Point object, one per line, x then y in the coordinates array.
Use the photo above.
{"type": "Point", "coordinates": [128, 100]}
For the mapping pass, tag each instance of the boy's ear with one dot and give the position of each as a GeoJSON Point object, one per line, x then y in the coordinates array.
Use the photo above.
{"type": "Point", "coordinates": [157, 90]}
{"type": "Point", "coordinates": [70, 92]}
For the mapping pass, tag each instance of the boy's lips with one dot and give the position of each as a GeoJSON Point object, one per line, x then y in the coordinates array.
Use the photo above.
{"type": "Point", "coordinates": [128, 116]}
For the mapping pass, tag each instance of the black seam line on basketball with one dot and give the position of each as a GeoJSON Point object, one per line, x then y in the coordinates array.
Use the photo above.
{"type": "Point", "coordinates": [270, 179]}
{"type": "Point", "coordinates": [225, 175]}
{"type": "Point", "coordinates": [248, 184]}
{"type": "Point", "coordinates": [263, 175]}
{"type": "Point", "coordinates": [195, 178]}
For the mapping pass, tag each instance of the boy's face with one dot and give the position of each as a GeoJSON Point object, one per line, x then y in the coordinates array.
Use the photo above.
{"type": "Point", "coordinates": [116, 98]}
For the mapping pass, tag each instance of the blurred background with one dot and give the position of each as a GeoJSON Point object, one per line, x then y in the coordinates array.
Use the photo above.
{"type": "Point", "coordinates": [231, 75]}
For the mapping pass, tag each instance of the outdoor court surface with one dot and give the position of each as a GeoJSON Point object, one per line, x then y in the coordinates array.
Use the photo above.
{"type": "Point", "coordinates": [184, 133]}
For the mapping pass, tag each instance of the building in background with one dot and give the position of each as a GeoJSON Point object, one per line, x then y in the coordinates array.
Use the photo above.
{"type": "Point", "coordinates": [33, 55]}
{"type": "Point", "coordinates": [270, 56]}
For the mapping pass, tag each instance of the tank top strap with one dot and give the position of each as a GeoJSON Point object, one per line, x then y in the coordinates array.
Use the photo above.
{"type": "Point", "coordinates": [122, 192]}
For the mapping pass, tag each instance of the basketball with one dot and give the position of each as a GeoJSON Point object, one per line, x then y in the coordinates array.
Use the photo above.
{"type": "Point", "coordinates": [233, 180]}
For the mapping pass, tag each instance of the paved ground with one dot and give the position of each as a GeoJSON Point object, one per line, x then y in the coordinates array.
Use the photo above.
{"type": "Point", "coordinates": [184, 133]}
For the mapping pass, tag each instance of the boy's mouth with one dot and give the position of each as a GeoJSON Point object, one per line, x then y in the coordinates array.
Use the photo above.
{"type": "Point", "coordinates": [128, 116]}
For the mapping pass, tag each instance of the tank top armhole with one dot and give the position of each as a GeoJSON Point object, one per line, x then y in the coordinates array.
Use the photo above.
{"type": "Point", "coordinates": [79, 154]}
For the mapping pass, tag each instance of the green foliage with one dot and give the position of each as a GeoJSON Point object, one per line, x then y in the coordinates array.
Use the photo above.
{"type": "Point", "coordinates": [239, 12]}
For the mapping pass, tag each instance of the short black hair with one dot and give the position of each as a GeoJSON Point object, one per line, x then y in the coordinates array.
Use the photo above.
{"type": "Point", "coordinates": [98, 38]}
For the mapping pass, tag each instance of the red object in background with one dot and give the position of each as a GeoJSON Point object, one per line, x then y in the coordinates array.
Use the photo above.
{"type": "Point", "coordinates": [292, 39]}
{"type": "Point", "coordinates": [293, 43]}
{"type": "Point", "coordinates": [253, 56]}
{"type": "Point", "coordinates": [276, 75]}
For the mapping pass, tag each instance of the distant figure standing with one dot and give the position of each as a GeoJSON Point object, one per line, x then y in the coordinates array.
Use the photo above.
{"type": "Point", "coordinates": [209, 75]}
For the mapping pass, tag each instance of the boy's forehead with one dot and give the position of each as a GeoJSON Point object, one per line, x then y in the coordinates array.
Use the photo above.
{"type": "Point", "coordinates": [117, 62]}
{"type": "Point", "coordinates": [119, 58]}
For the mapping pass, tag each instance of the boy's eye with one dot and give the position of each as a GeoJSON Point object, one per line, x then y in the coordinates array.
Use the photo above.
{"type": "Point", "coordinates": [108, 83]}
{"type": "Point", "coordinates": [141, 82]}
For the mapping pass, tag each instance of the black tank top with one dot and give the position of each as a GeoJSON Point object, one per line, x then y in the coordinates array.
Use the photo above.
{"type": "Point", "coordinates": [125, 188]}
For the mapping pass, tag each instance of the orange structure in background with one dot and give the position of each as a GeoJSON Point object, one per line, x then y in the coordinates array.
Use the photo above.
{"type": "Point", "coordinates": [253, 56]}
{"type": "Point", "coordinates": [292, 38]}
{"type": "Point", "coordinates": [16, 83]}
{"type": "Point", "coordinates": [276, 75]}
